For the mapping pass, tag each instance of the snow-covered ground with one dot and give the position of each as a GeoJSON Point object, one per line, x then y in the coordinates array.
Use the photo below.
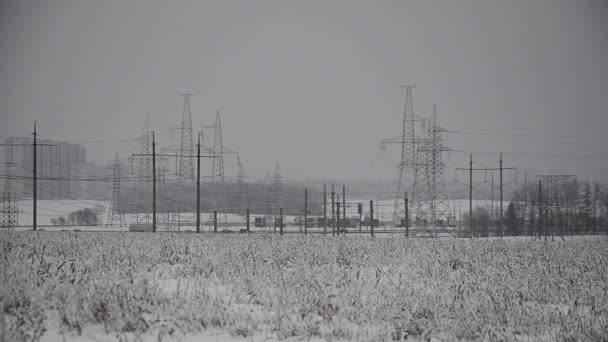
{"type": "Point", "coordinates": [150, 287]}
{"type": "Point", "coordinates": [49, 209]}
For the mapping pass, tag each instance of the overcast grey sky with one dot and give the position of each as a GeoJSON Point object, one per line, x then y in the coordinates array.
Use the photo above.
{"type": "Point", "coordinates": [313, 85]}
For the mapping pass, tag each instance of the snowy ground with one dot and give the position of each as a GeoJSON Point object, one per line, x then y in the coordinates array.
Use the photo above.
{"type": "Point", "coordinates": [234, 287]}
{"type": "Point", "coordinates": [49, 209]}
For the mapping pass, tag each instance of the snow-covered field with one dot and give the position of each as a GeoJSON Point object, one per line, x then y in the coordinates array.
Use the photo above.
{"type": "Point", "coordinates": [49, 209]}
{"type": "Point", "coordinates": [111, 286]}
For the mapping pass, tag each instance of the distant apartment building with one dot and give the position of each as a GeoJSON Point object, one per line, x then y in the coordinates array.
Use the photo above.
{"type": "Point", "coordinates": [58, 163]}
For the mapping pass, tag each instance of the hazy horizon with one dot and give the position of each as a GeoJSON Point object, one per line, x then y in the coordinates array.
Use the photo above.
{"type": "Point", "coordinates": [314, 86]}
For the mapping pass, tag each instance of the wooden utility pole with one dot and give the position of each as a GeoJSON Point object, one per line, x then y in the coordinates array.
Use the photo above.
{"type": "Point", "coordinates": [281, 220]}
{"type": "Point", "coordinates": [333, 210]}
{"type": "Point", "coordinates": [344, 206]}
{"type": "Point", "coordinates": [215, 221]}
{"type": "Point", "coordinates": [198, 185]}
{"type": "Point", "coordinates": [359, 211]}
{"type": "Point", "coordinates": [325, 208]}
{"type": "Point", "coordinates": [338, 214]}
{"type": "Point", "coordinates": [371, 217]}
{"type": "Point", "coordinates": [153, 184]}
{"type": "Point", "coordinates": [248, 220]}
{"type": "Point", "coordinates": [492, 186]}
{"type": "Point", "coordinates": [471, 169]}
{"type": "Point", "coordinates": [34, 193]}
{"type": "Point", "coordinates": [526, 202]}
{"type": "Point", "coordinates": [471, 195]}
{"type": "Point", "coordinates": [540, 207]}
{"type": "Point", "coordinates": [305, 211]}
{"type": "Point", "coordinates": [34, 146]}
{"type": "Point", "coordinates": [154, 155]}
{"type": "Point", "coordinates": [501, 212]}
{"type": "Point", "coordinates": [407, 216]}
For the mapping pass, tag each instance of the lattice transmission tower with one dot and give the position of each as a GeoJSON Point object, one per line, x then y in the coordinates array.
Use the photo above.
{"type": "Point", "coordinates": [144, 170]}
{"type": "Point", "coordinates": [115, 214]}
{"type": "Point", "coordinates": [9, 206]}
{"type": "Point", "coordinates": [408, 166]}
{"type": "Point", "coordinates": [432, 204]}
{"type": "Point", "coordinates": [217, 165]}
{"type": "Point", "coordinates": [186, 147]}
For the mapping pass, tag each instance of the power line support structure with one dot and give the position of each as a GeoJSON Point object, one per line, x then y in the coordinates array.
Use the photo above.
{"type": "Point", "coordinates": [115, 214]}
{"type": "Point", "coordinates": [344, 207]}
{"type": "Point", "coordinates": [333, 210]}
{"type": "Point", "coordinates": [198, 184]}
{"type": "Point", "coordinates": [34, 178]}
{"type": "Point", "coordinates": [9, 204]}
{"type": "Point", "coordinates": [484, 169]}
{"type": "Point", "coordinates": [277, 198]}
{"type": "Point", "coordinates": [217, 172]}
{"type": "Point", "coordinates": [408, 168]}
{"type": "Point", "coordinates": [324, 208]}
{"type": "Point", "coordinates": [153, 184]}
{"type": "Point", "coordinates": [432, 202]}
{"type": "Point", "coordinates": [154, 155]}
{"type": "Point", "coordinates": [305, 211]}
{"type": "Point", "coordinates": [186, 147]}
{"type": "Point", "coordinates": [145, 171]}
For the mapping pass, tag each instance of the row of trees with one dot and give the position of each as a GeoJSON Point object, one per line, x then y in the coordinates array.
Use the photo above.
{"type": "Point", "coordinates": [568, 207]}
{"type": "Point", "coordinates": [81, 217]}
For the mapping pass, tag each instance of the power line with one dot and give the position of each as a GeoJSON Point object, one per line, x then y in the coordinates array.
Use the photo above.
{"type": "Point", "coordinates": [531, 135]}
{"type": "Point", "coordinates": [534, 154]}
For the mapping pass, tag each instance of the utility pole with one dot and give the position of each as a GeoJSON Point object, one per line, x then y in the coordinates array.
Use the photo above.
{"type": "Point", "coordinates": [153, 184]}
{"type": "Point", "coordinates": [281, 219]}
{"type": "Point", "coordinates": [198, 185]}
{"type": "Point", "coordinates": [154, 155]}
{"type": "Point", "coordinates": [344, 206]}
{"type": "Point", "coordinates": [34, 193]}
{"type": "Point", "coordinates": [407, 217]}
{"type": "Point", "coordinates": [526, 201]}
{"type": "Point", "coordinates": [501, 212]}
{"type": "Point", "coordinates": [10, 211]}
{"type": "Point", "coordinates": [371, 217]}
{"type": "Point", "coordinates": [333, 210]}
{"type": "Point", "coordinates": [359, 211]}
{"type": "Point", "coordinates": [338, 214]}
{"type": "Point", "coordinates": [215, 221]}
{"type": "Point", "coordinates": [247, 220]}
{"type": "Point", "coordinates": [540, 207]}
{"type": "Point", "coordinates": [305, 211]}
{"type": "Point", "coordinates": [471, 169]}
{"type": "Point", "coordinates": [325, 208]}
{"type": "Point", "coordinates": [492, 185]}
{"type": "Point", "coordinates": [471, 195]}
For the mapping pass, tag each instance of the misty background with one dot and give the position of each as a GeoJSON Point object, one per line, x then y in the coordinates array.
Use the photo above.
{"type": "Point", "coordinates": [315, 85]}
